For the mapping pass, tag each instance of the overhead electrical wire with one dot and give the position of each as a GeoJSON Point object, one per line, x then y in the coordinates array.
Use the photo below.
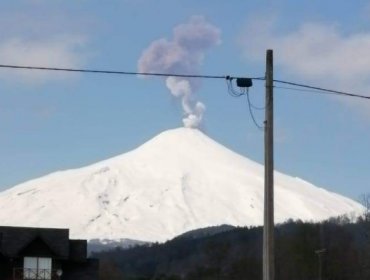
{"type": "Point", "coordinates": [238, 93]}
{"type": "Point", "coordinates": [251, 111]}
{"type": "Point", "coordinates": [227, 77]}
{"type": "Point", "coordinates": [254, 106]}
{"type": "Point", "coordinates": [231, 90]}
{"type": "Point", "coordinates": [229, 81]}
{"type": "Point", "coordinates": [122, 72]}
{"type": "Point", "coordinates": [322, 90]}
{"type": "Point", "coordinates": [299, 89]}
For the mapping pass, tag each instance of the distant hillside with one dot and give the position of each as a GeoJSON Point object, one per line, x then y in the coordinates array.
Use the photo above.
{"type": "Point", "coordinates": [204, 232]}
{"type": "Point", "coordinates": [98, 245]}
{"type": "Point", "coordinates": [236, 254]}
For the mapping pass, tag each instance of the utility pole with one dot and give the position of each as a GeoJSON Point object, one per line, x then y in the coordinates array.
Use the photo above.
{"type": "Point", "coordinates": [268, 224]}
{"type": "Point", "coordinates": [319, 255]}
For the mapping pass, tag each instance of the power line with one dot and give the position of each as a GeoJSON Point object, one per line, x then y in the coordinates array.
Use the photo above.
{"type": "Point", "coordinates": [228, 78]}
{"type": "Point", "coordinates": [123, 72]}
{"type": "Point", "coordinates": [254, 106]}
{"type": "Point", "coordinates": [238, 93]}
{"type": "Point", "coordinates": [260, 127]}
{"type": "Point", "coordinates": [322, 90]}
{"type": "Point", "coordinates": [300, 90]}
{"type": "Point", "coordinates": [231, 90]}
{"type": "Point", "coordinates": [314, 89]}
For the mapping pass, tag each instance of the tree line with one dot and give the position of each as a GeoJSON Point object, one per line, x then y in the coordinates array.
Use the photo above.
{"type": "Point", "coordinates": [237, 254]}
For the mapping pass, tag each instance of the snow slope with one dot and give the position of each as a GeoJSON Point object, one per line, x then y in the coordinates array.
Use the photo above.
{"type": "Point", "coordinates": [178, 181]}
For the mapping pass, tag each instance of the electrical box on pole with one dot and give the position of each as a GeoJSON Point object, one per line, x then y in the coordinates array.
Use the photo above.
{"type": "Point", "coordinates": [244, 82]}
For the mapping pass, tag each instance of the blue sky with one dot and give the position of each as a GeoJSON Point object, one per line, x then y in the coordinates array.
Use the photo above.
{"type": "Point", "coordinates": [56, 121]}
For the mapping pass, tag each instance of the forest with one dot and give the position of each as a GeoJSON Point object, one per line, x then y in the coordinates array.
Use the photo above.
{"type": "Point", "coordinates": [340, 246]}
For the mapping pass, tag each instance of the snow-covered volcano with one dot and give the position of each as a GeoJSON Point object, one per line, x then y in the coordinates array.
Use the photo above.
{"type": "Point", "coordinates": [178, 181]}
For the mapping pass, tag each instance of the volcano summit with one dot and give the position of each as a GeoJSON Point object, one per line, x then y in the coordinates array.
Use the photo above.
{"type": "Point", "coordinates": [178, 181]}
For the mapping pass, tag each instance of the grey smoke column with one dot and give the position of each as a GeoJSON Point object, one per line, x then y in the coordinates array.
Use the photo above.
{"type": "Point", "coordinates": [183, 54]}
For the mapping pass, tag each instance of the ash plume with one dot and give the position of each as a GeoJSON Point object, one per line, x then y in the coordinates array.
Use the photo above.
{"type": "Point", "coordinates": [184, 54]}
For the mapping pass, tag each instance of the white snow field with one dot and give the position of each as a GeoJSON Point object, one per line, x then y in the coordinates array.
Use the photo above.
{"type": "Point", "coordinates": [178, 181]}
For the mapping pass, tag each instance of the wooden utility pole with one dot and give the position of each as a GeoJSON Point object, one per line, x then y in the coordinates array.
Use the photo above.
{"type": "Point", "coordinates": [320, 255]}
{"type": "Point", "coordinates": [268, 224]}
